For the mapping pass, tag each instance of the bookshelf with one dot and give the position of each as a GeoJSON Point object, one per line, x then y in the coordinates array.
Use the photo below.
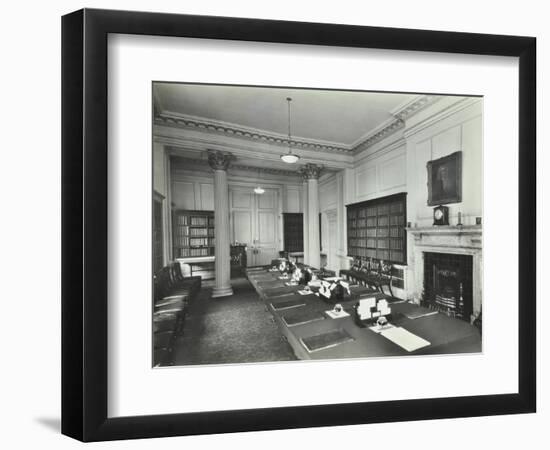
{"type": "Point", "coordinates": [293, 229]}
{"type": "Point", "coordinates": [376, 229]}
{"type": "Point", "coordinates": [158, 251]}
{"type": "Point", "coordinates": [193, 234]}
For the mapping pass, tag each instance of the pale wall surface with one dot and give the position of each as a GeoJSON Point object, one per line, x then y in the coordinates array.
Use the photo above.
{"type": "Point", "coordinates": [398, 164]}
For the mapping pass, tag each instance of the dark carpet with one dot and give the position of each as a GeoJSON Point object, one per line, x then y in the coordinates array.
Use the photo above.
{"type": "Point", "coordinates": [229, 330]}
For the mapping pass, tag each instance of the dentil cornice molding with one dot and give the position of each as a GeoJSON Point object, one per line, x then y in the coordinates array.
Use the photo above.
{"type": "Point", "coordinates": [450, 110]}
{"type": "Point", "coordinates": [193, 122]}
{"type": "Point", "coordinates": [397, 122]}
{"type": "Point", "coordinates": [414, 106]}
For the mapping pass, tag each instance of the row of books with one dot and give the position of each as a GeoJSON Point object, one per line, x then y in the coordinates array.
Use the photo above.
{"type": "Point", "coordinates": [394, 244]}
{"type": "Point", "coordinates": [380, 221]}
{"type": "Point", "coordinates": [192, 252]}
{"type": "Point", "coordinates": [186, 231]}
{"type": "Point", "coordinates": [395, 232]}
{"type": "Point", "coordinates": [201, 232]}
{"type": "Point", "coordinates": [202, 242]}
{"type": "Point", "coordinates": [201, 221]}
{"type": "Point", "coordinates": [371, 211]}
{"type": "Point", "coordinates": [384, 254]}
{"type": "Point", "coordinates": [194, 242]}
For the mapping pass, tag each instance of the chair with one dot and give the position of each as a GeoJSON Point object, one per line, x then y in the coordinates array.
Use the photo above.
{"type": "Point", "coordinates": [171, 296]}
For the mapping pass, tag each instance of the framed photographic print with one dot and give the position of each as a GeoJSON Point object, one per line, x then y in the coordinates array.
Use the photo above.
{"type": "Point", "coordinates": [445, 180]}
{"type": "Point", "coordinates": [244, 206]}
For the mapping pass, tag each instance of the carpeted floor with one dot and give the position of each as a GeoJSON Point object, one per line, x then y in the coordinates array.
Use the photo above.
{"type": "Point", "coordinates": [234, 329]}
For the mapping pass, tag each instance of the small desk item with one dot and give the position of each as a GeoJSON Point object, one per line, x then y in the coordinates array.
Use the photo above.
{"type": "Point", "coordinates": [336, 315]}
{"type": "Point", "coordinates": [325, 340]}
{"type": "Point", "coordinates": [378, 329]}
{"type": "Point", "coordinates": [370, 309]}
{"type": "Point", "coordinates": [287, 304]}
{"type": "Point", "coordinates": [420, 312]}
{"type": "Point", "coordinates": [302, 318]}
{"type": "Point", "coordinates": [333, 291]}
{"type": "Point", "coordinates": [405, 339]}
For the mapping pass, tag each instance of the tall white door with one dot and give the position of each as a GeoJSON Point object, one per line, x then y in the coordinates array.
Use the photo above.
{"type": "Point", "coordinates": [266, 239]}
{"type": "Point", "coordinates": [254, 221]}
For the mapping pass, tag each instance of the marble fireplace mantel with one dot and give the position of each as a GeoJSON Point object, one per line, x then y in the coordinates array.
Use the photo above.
{"type": "Point", "coordinates": [463, 240]}
{"type": "Point", "coordinates": [459, 237]}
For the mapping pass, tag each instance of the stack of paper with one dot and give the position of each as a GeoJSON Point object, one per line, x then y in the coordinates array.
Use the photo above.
{"type": "Point", "coordinates": [383, 307]}
{"type": "Point", "coordinates": [370, 308]}
{"type": "Point", "coordinates": [404, 338]}
{"type": "Point", "coordinates": [365, 307]}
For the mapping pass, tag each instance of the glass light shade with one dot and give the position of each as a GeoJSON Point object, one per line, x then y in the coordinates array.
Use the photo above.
{"type": "Point", "coordinates": [290, 158]}
{"type": "Point", "coordinates": [259, 190]}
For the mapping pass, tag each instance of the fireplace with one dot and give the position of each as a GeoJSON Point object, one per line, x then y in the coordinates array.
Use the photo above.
{"type": "Point", "coordinates": [448, 283]}
{"type": "Point", "coordinates": [460, 250]}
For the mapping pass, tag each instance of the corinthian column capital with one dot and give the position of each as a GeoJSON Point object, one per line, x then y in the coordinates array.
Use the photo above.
{"type": "Point", "coordinates": [311, 171]}
{"type": "Point", "coordinates": [219, 160]}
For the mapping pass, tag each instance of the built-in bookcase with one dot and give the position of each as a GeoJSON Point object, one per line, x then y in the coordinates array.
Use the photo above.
{"type": "Point", "coordinates": [376, 229]}
{"type": "Point", "coordinates": [193, 233]}
{"type": "Point", "coordinates": [158, 251]}
{"type": "Point", "coordinates": [293, 227]}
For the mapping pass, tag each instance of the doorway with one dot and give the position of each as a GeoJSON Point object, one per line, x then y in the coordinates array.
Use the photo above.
{"type": "Point", "coordinates": [255, 222]}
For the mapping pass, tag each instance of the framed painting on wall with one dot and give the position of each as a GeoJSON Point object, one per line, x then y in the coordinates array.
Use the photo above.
{"type": "Point", "coordinates": [445, 180]}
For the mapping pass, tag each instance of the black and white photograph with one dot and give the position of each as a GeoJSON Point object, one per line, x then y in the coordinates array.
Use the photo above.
{"type": "Point", "coordinates": [295, 224]}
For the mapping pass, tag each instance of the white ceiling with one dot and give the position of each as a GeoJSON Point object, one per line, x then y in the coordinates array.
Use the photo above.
{"type": "Point", "coordinates": [341, 117]}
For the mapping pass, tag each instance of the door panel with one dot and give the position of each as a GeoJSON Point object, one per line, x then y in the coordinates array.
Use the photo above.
{"type": "Point", "coordinates": [254, 221]}
{"type": "Point", "coordinates": [267, 242]}
{"type": "Point", "coordinates": [241, 199]}
{"type": "Point", "coordinates": [266, 227]}
{"type": "Point", "coordinates": [242, 220]}
{"type": "Point", "coordinates": [267, 200]}
{"type": "Point", "coordinates": [242, 226]}
{"type": "Point", "coordinates": [267, 236]}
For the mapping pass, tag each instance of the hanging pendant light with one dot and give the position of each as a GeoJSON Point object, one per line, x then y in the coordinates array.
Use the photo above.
{"type": "Point", "coordinates": [289, 157]}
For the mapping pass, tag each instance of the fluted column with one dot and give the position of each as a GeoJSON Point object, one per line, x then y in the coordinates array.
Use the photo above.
{"type": "Point", "coordinates": [311, 173]}
{"type": "Point", "coordinates": [306, 222]}
{"type": "Point", "coordinates": [219, 162]}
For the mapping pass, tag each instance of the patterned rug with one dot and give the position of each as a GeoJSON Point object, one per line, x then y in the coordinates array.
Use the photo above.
{"type": "Point", "coordinates": [229, 330]}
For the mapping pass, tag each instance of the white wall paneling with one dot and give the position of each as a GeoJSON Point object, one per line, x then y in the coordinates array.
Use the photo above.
{"type": "Point", "coordinates": [292, 199]}
{"type": "Point", "coordinates": [460, 130]}
{"type": "Point", "coordinates": [185, 196]}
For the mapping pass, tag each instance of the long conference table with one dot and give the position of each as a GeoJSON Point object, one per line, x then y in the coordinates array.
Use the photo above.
{"type": "Point", "coordinates": [306, 322]}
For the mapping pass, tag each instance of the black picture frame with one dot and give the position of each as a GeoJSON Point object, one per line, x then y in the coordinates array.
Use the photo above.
{"type": "Point", "coordinates": [84, 224]}
{"type": "Point", "coordinates": [445, 179]}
